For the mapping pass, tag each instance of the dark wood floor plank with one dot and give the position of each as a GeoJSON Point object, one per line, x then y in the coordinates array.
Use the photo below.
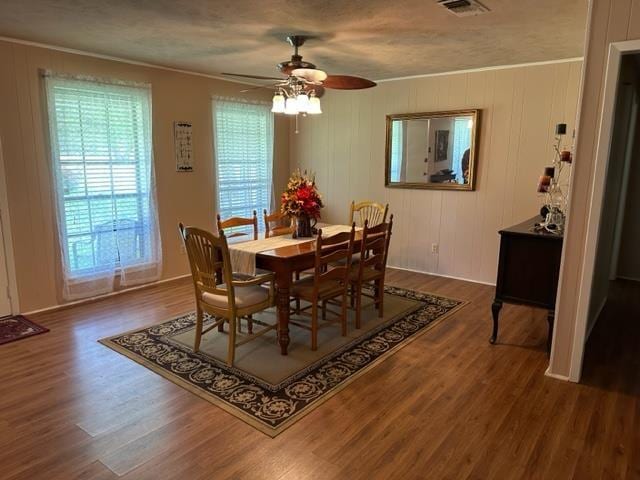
{"type": "Point", "coordinates": [448, 405]}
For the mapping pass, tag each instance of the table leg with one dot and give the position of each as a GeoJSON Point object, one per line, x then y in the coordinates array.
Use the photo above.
{"type": "Point", "coordinates": [282, 305]}
{"type": "Point", "coordinates": [495, 310]}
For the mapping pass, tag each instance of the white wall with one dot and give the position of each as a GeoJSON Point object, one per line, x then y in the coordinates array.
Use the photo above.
{"type": "Point", "coordinates": [520, 107]}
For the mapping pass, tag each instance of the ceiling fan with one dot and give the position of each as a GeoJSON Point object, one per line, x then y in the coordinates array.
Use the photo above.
{"type": "Point", "coordinates": [304, 84]}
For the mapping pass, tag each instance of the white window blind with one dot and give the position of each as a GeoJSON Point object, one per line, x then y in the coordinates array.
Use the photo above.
{"type": "Point", "coordinates": [100, 137]}
{"type": "Point", "coordinates": [243, 135]}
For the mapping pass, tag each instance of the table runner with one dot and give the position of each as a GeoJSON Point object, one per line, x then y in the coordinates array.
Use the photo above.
{"type": "Point", "coordinates": [243, 254]}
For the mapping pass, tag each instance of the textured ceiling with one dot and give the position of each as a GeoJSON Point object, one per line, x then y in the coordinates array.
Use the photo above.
{"type": "Point", "coordinates": [373, 38]}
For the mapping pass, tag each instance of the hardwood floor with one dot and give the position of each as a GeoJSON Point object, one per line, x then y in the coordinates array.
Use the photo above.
{"type": "Point", "coordinates": [448, 405]}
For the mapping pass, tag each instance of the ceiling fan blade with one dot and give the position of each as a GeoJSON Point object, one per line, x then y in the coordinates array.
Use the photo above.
{"type": "Point", "coordinates": [257, 77]}
{"type": "Point", "coordinates": [347, 82]}
{"type": "Point", "coordinates": [310, 74]}
{"type": "Point", "coordinates": [256, 88]}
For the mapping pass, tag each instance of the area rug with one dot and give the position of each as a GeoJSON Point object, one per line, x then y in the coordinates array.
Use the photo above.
{"type": "Point", "coordinates": [270, 391]}
{"type": "Point", "coordinates": [18, 327]}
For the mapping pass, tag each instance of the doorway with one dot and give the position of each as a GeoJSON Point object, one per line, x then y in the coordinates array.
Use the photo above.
{"type": "Point", "coordinates": [611, 258]}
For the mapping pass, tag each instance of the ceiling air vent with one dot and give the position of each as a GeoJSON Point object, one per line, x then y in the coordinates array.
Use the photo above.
{"type": "Point", "coordinates": [464, 8]}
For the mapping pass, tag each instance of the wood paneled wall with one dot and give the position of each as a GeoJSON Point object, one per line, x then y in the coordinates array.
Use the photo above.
{"type": "Point", "coordinates": [186, 197]}
{"type": "Point", "coordinates": [520, 107]}
{"type": "Point", "coordinates": [610, 21]}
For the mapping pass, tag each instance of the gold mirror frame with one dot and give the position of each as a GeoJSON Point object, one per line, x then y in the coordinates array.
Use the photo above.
{"type": "Point", "coordinates": [475, 113]}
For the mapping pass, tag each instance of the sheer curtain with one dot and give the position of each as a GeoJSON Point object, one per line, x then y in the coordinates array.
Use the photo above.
{"type": "Point", "coordinates": [243, 134]}
{"type": "Point", "coordinates": [100, 136]}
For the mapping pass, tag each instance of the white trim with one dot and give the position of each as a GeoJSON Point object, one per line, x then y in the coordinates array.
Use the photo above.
{"type": "Point", "coordinates": [442, 275]}
{"type": "Point", "coordinates": [616, 50]}
{"type": "Point", "coordinates": [224, 79]}
{"type": "Point", "coordinates": [583, 74]}
{"type": "Point", "coordinates": [5, 218]}
{"type": "Point", "coordinates": [106, 295]}
{"type": "Point", "coordinates": [122, 60]}
{"type": "Point", "coordinates": [548, 373]}
{"type": "Point", "coordinates": [484, 69]}
{"type": "Point", "coordinates": [566, 378]}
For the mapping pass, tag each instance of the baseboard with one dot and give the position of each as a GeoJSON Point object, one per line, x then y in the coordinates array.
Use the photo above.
{"type": "Point", "coordinates": [443, 275]}
{"type": "Point", "coordinates": [564, 378]}
{"type": "Point", "coordinates": [63, 306]}
{"type": "Point", "coordinates": [631, 279]}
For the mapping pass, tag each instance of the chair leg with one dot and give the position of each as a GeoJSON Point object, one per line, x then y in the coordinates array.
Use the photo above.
{"type": "Point", "coordinates": [358, 295]}
{"type": "Point", "coordinates": [380, 299]}
{"type": "Point", "coordinates": [343, 319]}
{"type": "Point", "coordinates": [231, 354]}
{"type": "Point", "coordinates": [376, 293]}
{"type": "Point", "coordinates": [250, 324]}
{"type": "Point", "coordinates": [196, 343]}
{"type": "Point", "coordinates": [314, 325]}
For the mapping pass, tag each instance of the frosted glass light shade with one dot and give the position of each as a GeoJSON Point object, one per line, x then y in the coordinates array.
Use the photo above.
{"type": "Point", "coordinates": [277, 103]}
{"type": "Point", "coordinates": [302, 102]}
{"type": "Point", "coordinates": [314, 106]}
{"type": "Point", "coordinates": [291, 106]}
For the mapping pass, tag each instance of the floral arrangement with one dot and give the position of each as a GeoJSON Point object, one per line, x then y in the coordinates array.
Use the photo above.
{"type": "Point", "coordinates": [301, 198]}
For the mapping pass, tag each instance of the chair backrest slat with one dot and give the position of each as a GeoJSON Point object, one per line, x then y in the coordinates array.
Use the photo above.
{"type": "Point", "coordinates": [374, 248]}
{"type": "Point", "coordinates": [373, 212]}
{"type": "Point", "coordinates": [330, 250]}
{"type": "Point", "coordinates": [235, 222]}
{"type": "Point", "coordinates": [209, 261]}
{"type": "Point", "coordinates": [276, 223]}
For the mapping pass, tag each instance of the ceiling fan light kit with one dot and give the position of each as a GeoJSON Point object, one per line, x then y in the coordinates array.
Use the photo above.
{"type": "Point", "coordinates": [300, 91]}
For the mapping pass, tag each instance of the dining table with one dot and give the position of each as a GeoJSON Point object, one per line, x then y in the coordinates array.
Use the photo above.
{"type": "Point", "coordinates": [284, 258]}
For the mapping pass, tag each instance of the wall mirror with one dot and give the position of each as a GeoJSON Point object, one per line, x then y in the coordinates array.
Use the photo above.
{"type": "Point", "coordinates": [432, 150]}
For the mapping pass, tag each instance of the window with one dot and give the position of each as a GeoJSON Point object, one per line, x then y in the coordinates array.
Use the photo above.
{"type": "Point", "coordinates": [103, 169]}
{"type": "Point", "coordinates": [397, 140]}
{"type": "Point", "coordinates": [461, 143]}
{"type": "Point", "coordinates": [243, 135]}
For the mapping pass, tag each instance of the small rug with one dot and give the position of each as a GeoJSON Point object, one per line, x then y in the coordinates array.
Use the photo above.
{"type": "Point", "coordinates": [18, 327]}
{"type": "Point", "coordinates": [270, 391]}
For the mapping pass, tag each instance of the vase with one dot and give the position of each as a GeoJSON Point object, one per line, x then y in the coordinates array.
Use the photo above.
{"type": "Point", "coordinates": [302, 227]}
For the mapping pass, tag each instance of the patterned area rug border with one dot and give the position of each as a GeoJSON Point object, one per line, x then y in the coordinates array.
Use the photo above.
{"type": "Point", "coordinates": [272, 409]}
{"type": "Point", "coordinates": [22, 328]}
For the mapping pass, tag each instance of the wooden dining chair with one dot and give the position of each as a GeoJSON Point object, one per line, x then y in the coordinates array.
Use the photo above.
{"type": "Point", "coordinates": [226, 302]}
{"type": "Point", "coordinates": [374, 212]}
{"type": "Point", "coordinates": [329, 281]}
{"type": "Point", "coordinates": [234, 222]}
{"type": "Point", "coordinates": [371, 267]}
{"type": "Point", "coordinates": [276, 223]}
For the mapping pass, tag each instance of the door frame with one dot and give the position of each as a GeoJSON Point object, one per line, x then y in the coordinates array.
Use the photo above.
{"type": "Point", "coordinates": [6, 239]}
{"type": "Point", "coordinates": [603, 149]}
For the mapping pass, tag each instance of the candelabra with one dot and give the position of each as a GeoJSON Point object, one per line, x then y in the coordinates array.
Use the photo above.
{"type": "Point", "coordinates": [554, 186]}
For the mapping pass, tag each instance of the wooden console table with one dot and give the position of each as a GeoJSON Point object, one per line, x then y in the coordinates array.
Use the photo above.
{"type": "Point", "coordinates": [528, 271]}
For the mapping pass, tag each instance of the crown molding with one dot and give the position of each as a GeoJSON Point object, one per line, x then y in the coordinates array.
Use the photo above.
{"type": "Point", "coordinates": [122, 60]}
{"type": "Point", "coordinates": [484, 69]}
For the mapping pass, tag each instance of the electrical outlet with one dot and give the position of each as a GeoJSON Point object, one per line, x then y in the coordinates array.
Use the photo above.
{"type": "Point", "coordinates": [435, 248]}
